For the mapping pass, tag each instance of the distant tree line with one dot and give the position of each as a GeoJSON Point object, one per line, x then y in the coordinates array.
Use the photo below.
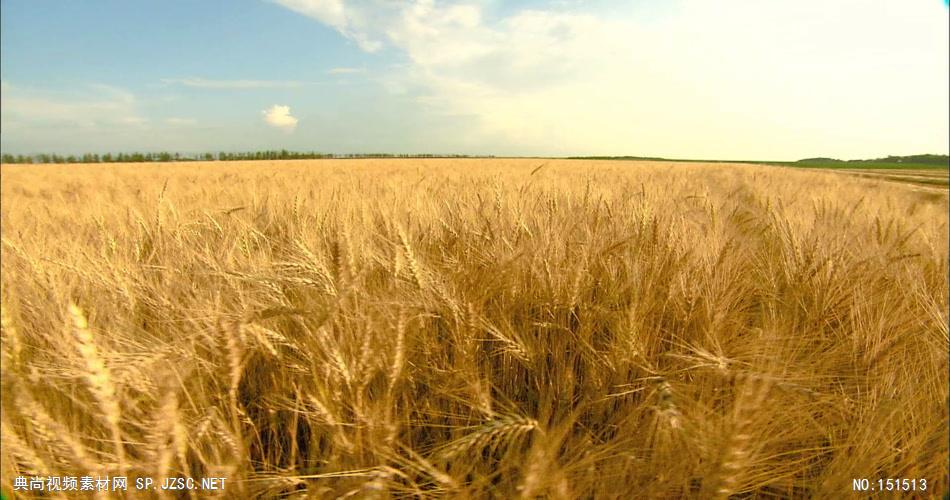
{"type": "Point", "coordinates": [942, 160]}
{"type": "Point", "coordinates": [917, 159]}
{"type": "Point", "coordinates": [283, 154]}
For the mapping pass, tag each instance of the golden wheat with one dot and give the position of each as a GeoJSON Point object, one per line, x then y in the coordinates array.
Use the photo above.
{"type": "Point", "coordinates": [474, 328]}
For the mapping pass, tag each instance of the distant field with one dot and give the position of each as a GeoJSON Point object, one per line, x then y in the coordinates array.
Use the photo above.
{"type": "Point", "coordinates": [935, 179]}
{"type": "Point", "coordinates": [484, 328]}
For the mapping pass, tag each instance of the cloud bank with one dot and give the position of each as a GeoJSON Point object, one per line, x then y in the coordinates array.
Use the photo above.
{"type": "Point", "coordinates": [279, 117]}
{"type": "Point", "coordinates": [690, 77]}
{"type": "Point", "coordinates": [89, 107]}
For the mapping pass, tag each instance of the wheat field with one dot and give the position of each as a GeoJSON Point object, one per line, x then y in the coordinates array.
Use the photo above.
{"type": "Point", "coordinates": [474, 328]}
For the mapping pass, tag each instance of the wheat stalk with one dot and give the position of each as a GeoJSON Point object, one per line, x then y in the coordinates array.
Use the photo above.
{"type": "Point", "coordinates": [13, 444]}
{"type": "Point", "coordinates": [56, 436]}
{"type": "Point", "coordinates": [414, 267]}
{"type": "Point", "coordinates": [100, 382]}
{"type": "Point", "coordinates": [12, 342]}
{"type": "Point", "coordinates": [399, 354]}
{"type": "Point", "coordinates": [505, 429]}
{"type": "Point", "coordinates": [737, 451]}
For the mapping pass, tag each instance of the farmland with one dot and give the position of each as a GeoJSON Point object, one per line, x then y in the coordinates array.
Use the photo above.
{"type": "Point", "coordinates": [474, 328]}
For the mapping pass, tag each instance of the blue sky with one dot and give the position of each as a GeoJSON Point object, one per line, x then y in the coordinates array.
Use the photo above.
{"type": "Point", "coordinates": [738, 79]}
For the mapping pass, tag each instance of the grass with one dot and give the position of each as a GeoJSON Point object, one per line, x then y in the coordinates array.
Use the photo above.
{"type": "Point", "coordinates": [474, 328]}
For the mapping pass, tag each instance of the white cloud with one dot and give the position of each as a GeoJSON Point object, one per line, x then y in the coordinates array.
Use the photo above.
{"type": "Point", "coordinates": [279, 116]}
{"type": "Point", "coordinates": [357, 23]}
{"type": "Point", "coordinates": [203, 83]}
{"type": "Point", "coordinates": [692, 78]}
{"type": "Point", "coordinates": [176, 121]}
{"type": "Point", "coordinates": [344, 71]}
